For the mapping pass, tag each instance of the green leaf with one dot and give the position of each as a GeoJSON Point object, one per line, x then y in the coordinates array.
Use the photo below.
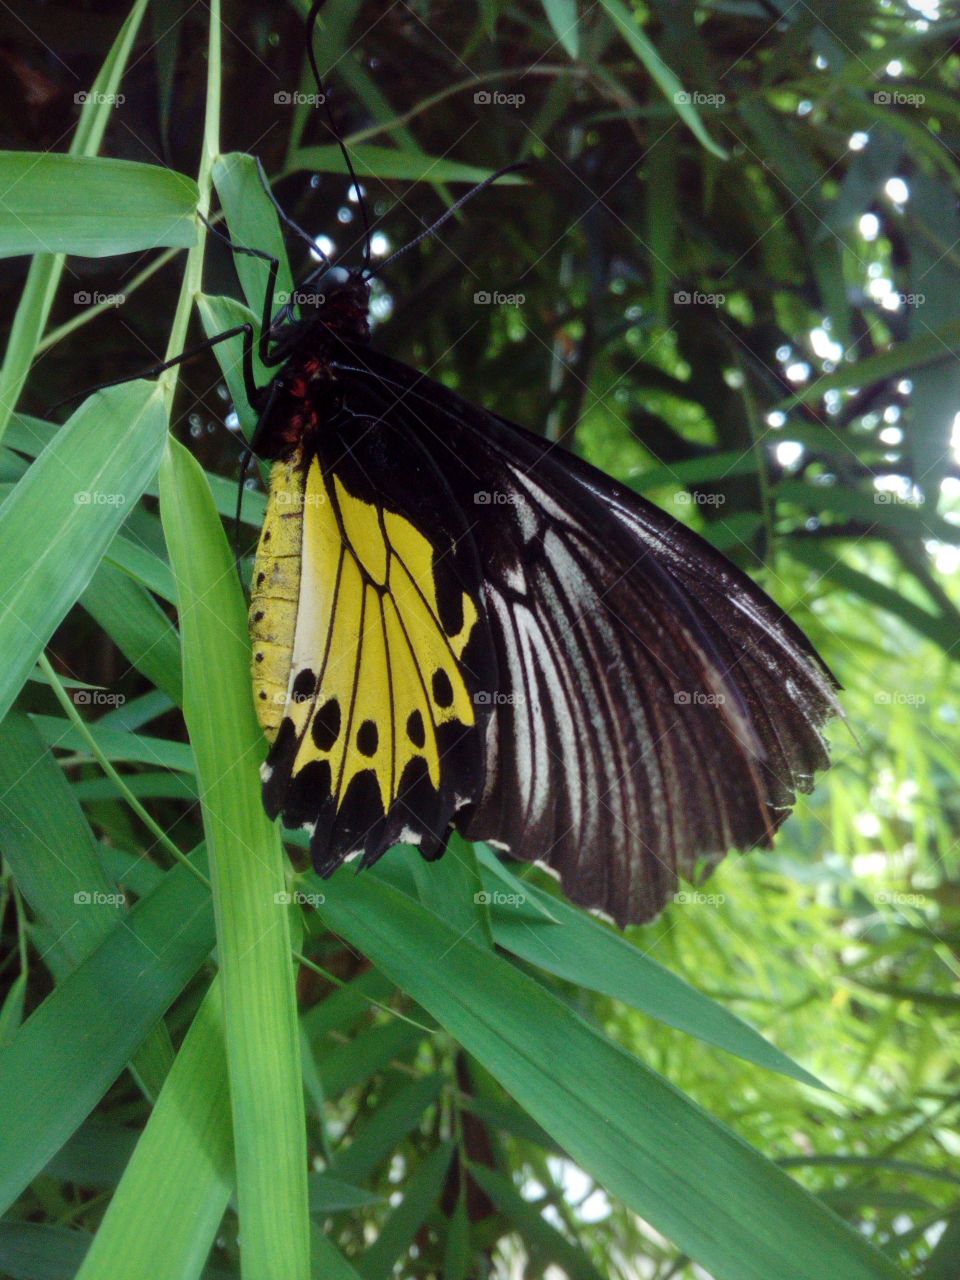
{"type": "Point", "coordinates": [366, 1054]}
{"type": "Point", "coordinates": [71, 1049]}
{"type": "Point", "coordinates": [56, 203]}
{"type": "Point", "coordinates": [262, 1042]}
{"type": "Point", "coordinates": [251, 221]}
{"type": "Point", "coordinates": [902, 357]}
{"type": "Point", "coordinates": [332, 1195]}
{"type": "Point", "coordinates": [138, 627]}
{"type": "Point", "coordinates": [116, 744]}
{"type": "Point", "coordinates": [625, 21]}
{"type": "Point", "coordinates": [62, 516]}
{"type": "Point", "coordinates": [164, 1215]}
{"type": "Point", "coordinates": [716, 1197]}
{"type": "Point", "coordinates": [34, 1251]}
{"type": "Point", "coordinates": [589, 954]}
{"type": "Point", "coordinates": [940, 630]}
{"type": "Point", "coordinates": [51, 851]}
{"type": "Point", "coordinates": [541, 1238]}
{"type": "Point", "coordinates": [388, 163]}
{"type": "Point", "coordinates": [562, 16]}
{"type": "Point", "coordinates": [379, 1135]}
{"type": "Point", "coordinates": [420, 1194]}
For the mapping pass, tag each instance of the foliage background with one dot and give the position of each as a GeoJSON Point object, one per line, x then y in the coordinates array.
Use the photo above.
{"type": "Point", "coordinates": [763, 342]}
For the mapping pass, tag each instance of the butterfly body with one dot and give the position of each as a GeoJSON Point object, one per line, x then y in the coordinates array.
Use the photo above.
{"type": "Point", "coordinates": [457, 625]}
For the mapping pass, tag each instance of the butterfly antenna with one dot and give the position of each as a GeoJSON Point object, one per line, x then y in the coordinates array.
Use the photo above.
{"type": "Point", "coordinates": [335, 130]}
{"type": "Point", "coordinates": [454, 208]}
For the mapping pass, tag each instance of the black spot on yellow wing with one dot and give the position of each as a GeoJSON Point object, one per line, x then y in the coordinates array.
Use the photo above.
{"type": "Point", "coordinates": [376, 738]}
{"type": "Point", "coordinates": [367, 738]}
{"type": "Point", "coordinates": [415, 730]}
{"type": "Point", "coordinates": [442, 689]}
{"type": "Point", "coordinates": [326, 725]}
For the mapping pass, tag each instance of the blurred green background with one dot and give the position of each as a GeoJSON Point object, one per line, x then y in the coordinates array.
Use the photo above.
{"type": "Point", "coordinates": [729, 279]}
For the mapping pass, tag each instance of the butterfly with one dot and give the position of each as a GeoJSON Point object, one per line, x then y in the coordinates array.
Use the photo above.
{"type": "Point", "coordinates": [457, 625]}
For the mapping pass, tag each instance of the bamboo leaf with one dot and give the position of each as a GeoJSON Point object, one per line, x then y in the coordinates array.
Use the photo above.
{"type": "Point", "coordinates": [62, 516]}
{"type": "Point", "coordinates": [56, 203]}
{"type": "Point", "coordinates": [260, 1016]}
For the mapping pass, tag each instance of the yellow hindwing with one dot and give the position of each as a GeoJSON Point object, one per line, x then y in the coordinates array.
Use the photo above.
{"type": "Point", "coordinates": [348, 642]}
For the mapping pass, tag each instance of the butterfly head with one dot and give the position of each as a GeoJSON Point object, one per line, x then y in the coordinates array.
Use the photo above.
{"type": "Point", "coordinates": [333, 302]}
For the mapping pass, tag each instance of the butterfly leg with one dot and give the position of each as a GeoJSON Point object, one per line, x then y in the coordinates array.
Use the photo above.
{"type": "Point", "coordinates": [266, 314]}
{"type": "Point", "coordinates": [154, 371]}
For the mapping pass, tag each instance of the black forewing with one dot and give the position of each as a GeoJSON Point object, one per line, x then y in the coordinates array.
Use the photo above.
{"type": "Point", "coordinates": [654, 708]}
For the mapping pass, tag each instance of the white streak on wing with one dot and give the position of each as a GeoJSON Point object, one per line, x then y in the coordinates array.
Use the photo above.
{"type": "Point", "coordinates": [526, 517]}
{"type": "Point", "coordinates": [543, 498]}
{"type": "Point", "coordinates": [522, 742]}
{"type": "Point", "coordinates": [541, 663]}
{"type": "Point", "coordinates": [514, 578]}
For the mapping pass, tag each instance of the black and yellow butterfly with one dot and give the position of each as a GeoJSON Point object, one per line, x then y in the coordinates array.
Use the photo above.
{"type": "Point", "coordinates": [457, 625]}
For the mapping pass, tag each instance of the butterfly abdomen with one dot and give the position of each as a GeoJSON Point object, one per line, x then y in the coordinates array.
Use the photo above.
{"type": "Point", "coordinates": [275, 593]}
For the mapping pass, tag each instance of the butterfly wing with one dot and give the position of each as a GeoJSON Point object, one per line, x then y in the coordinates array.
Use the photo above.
{"type": "Point", "coordinates": [653, 708]}
{"type": "Point", "coordinates": [369, 645]}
